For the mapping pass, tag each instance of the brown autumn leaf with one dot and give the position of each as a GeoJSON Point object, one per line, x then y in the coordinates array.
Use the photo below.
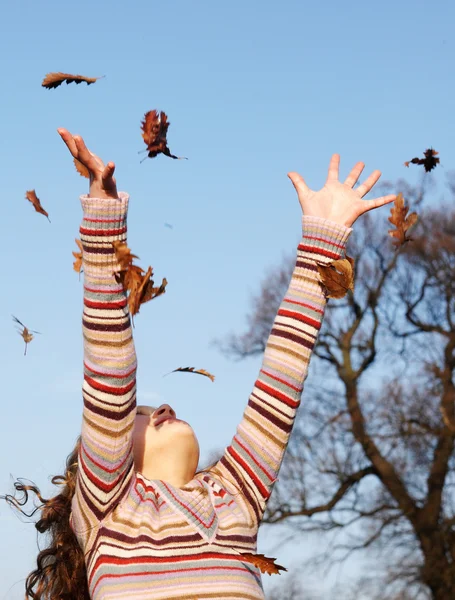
{"type": "Point", "coordinates": [81, 169]}
{"type": "Point", "coordinates": [337, 277]}
{"type": "Point", "coordinates": [134, 280]}
{"type": "Point", "coordinates": [33, 198]}
{"type": "Point", "coordinates": [154, 132]}
{"type": "Point", "coordinates": [265, 564]}
{"type": "Point", "coordinates": [194, 370]}
{"type": "Point", "coordinates": [77, 264]}
{"type": "Point", "coordinates": [402, 221]}
{"type": "Point", "coordinates": [53, 80]}
{"type": "Point", "coordinates": [26, 334]}
{"type": "Point", "coordinates": [429, 161]}
{"type": "Point", "coordinates": [123, 255]}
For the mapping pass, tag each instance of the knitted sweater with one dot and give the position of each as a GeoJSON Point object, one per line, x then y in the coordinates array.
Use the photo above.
{"type": "Point", "coordinates": [146, 539]}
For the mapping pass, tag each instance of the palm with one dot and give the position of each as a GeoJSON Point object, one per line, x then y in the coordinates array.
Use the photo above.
{"type": "Point", "coordinates": [337, 201]}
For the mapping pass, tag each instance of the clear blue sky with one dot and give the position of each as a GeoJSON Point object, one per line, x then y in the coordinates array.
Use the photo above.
{"type": "Point", "coordinates": [253, 90]}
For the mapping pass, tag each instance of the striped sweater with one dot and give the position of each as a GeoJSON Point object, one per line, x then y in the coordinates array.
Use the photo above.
{"type": "Point", "coordinates": [146, 539]}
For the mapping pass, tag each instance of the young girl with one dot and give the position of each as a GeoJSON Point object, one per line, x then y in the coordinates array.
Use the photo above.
{"type": "Point", "coordinates": [134, 518]}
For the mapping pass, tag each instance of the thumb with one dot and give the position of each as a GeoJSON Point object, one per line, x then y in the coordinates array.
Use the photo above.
{"type": "Point", "coordinates": [299, 183]}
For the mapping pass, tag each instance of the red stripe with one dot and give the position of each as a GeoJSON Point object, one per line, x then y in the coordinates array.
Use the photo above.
{"type": "Point", "coordinates": [100, 484]}
{"type": "Point", "coordinates": [238, 459]}
{"type": "Point", "coordinates": [97, 291]}
{"type": "Point", "coordinates": [102, 232]}
{"type": "Point", "coordinates": [319, 250]}
{"type": "Point", "coordinates": [195, 515]}
{"type": "Point", "coordinates": [116, 391]}
{"type": "Point", "coordinates": [295, 315]}
{"type": "Point", "coordinates": [276, 394]}
{"type": "Point", "coordinates": [104, 468]}
{"type": "Point", "coordinates": [319, 310]}
{"type": "Point", "coordinates": [113, 220]}
{"type": "Point", "coordinates": [106, 305]}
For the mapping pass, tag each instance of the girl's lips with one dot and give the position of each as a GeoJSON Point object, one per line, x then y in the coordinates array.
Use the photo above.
{"type": "Point", "coordinates": [167, 419]}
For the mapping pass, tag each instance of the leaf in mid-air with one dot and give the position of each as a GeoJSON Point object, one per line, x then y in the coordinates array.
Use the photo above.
{"type": "Point", "coordinates": [429, 161]}
{"type": "Point", "coordinates": [402, 221]}
{"type": "Point", "coordinates": [154, 132]}
{"type": "Point", "coordinates": [53, 80]}
{"type": "Point", "coordinates": [77, 264]}
{"type": "Point", "coordinates": [134, 280]}
{"type": "Point", "coordinates": [26, 334]}
{"type": "Point", "coordinates": [194, 370]}
{"type": "Point", "coordinates": [33, 198]}
{"type": "Point", "coordinates": [337, 277]}
{"type": "Point", "coordinates": [265, 564]}
{"type": "Point", "coordinates": [81, 169]}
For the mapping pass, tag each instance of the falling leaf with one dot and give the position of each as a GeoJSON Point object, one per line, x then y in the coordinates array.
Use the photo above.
{"type": "Point", "coordinates": [81, 169]}
{"type": "Point", "coordinates": [26, 334]}
{"type": "Point", "coordinates": [169, 226]}
{"type": "Point", "coordinates": [154, 132]}
{"type": "Point", "coordinates": [33, 198]}
{"type": "Point", "coordinates": [134, 280]}
{"type": "Point", "coordinates": [53, 80]}
{"type": "Point", "coordinates": [337, 277]}
{"type": "Point", "coordinates": [402, 222]}
{"type": "Point", "coordinates": [265, 564]}
{"type": "Point", "coordinates": [194, 370]}
{"type": "Point", "coordinates": [429, 161]}
{"type": "Point", "coordinates": [77, 264]}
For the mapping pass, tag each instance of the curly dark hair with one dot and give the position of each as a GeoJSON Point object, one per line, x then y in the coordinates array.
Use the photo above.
{"type": "Point", "coordinates": [60, 571]}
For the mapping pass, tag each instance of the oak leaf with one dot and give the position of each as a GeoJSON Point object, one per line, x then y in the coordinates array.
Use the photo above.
{"type": "Point", "coordinates": [429, 161]}
{"type": "Point", "coordinates": [26, 334]}
{"type": "Point", "coordinates": [194, 370]}
{"type": "Point", "coordinates": [53, 80]}
{"type": "Point", "coordinates": [135, 281]}
{"type": "Point", "coordinates": [402, 221]}
{"type": "Point", "coordinates": [81, 169]}
{"type": "Point", "coordinates": [337, 277]}
{"type": "Point", "coordinates": [265, 564]}
{"type": "Point", "coordinates": [154, 132]}
{"type": "Point", "coordinates": [33, 198]}
{"type": "Point", "coordinates": [77, 264]}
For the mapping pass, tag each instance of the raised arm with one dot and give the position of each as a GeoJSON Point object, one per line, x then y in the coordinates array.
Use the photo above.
{"type": "Point", "coordinates": [109, 388]}
{"type": "Point", "coordinates": [253, 459]}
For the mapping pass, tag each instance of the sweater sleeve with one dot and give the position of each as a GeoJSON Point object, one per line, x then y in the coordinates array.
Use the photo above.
{"type": "Point", "coordinates": [253, 459]}
{"type": "Point", "coordinates": [105, 468]}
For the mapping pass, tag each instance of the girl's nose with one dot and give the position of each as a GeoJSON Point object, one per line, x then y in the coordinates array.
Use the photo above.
{"type": "Point", "coordinates": [164, 410]}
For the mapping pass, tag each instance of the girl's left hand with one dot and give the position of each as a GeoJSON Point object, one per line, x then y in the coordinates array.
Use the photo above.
{"type": "Point", "coordinates": [337, 201]}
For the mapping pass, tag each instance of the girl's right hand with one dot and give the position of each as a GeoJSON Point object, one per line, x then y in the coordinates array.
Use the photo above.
{"type": "Point", "coordinates": [102, 180]}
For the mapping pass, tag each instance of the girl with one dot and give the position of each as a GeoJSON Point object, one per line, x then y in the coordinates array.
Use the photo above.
{"type": "Point", "coordinates": [134, 518]}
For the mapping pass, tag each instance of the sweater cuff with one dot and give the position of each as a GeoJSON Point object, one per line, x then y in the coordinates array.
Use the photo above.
{"type": "Point", "coordinates": [323, 241]}
{"type": "Point", "coordinates": [104, 222]}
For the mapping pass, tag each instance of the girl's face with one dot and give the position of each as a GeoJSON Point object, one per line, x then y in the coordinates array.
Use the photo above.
{"type": "Point", "coordinates": [165, 447]}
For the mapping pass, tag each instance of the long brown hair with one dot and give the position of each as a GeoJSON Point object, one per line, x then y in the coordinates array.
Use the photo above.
{"type": "Point", "coordinates": [60, 568]}
{"type": "Point", "coordinates": [60, 573]}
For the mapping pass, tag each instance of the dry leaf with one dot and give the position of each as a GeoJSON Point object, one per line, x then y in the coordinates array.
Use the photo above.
{"type": "Point", "coordinates": [337, 277]}
{"type": "Point", "coordinates": [77, 264]}
{"type": "Point", "coordinates": [26, 334]}
{"type": "Point", "coordinates": [193, 370]}
{"type": "Point", "coordinates": [429, 161]}
{"type": "Point", "coordinates": [33, 198]}
{"type": "Point", "coordinates": [265, 564]}
{"type": "Point", "coordinates": [134, 280]}
{"type": "Point", "coordinates": [402, 222]}
{"type": "Point", "coordinates": [154, 132]}
{"type": "Point", "coordinates": [53, 80]}
{"type": "Point", "coordinates": [81, 169]}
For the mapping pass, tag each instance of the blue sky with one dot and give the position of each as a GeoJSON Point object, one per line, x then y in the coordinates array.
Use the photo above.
{"type": "Point", "coordinates": [252, 90]}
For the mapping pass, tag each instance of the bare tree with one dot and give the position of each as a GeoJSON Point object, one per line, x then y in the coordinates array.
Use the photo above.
{"type": "Point", "coordinates": [372, 451]}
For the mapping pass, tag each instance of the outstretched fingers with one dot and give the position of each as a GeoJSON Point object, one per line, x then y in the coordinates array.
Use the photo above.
{"type": "Point", "coordinates": [368, 184]}
{"type": "Point", "coordinates": [378, 202]}
{"type": "Point", "coordinates": [299, 183]}
{"type": "Point", "coordinates": [69, 141]}
{"type": "Point", "coordinates": [334, 168]}
{"type": "Point", "coordinates": [354, 175]}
